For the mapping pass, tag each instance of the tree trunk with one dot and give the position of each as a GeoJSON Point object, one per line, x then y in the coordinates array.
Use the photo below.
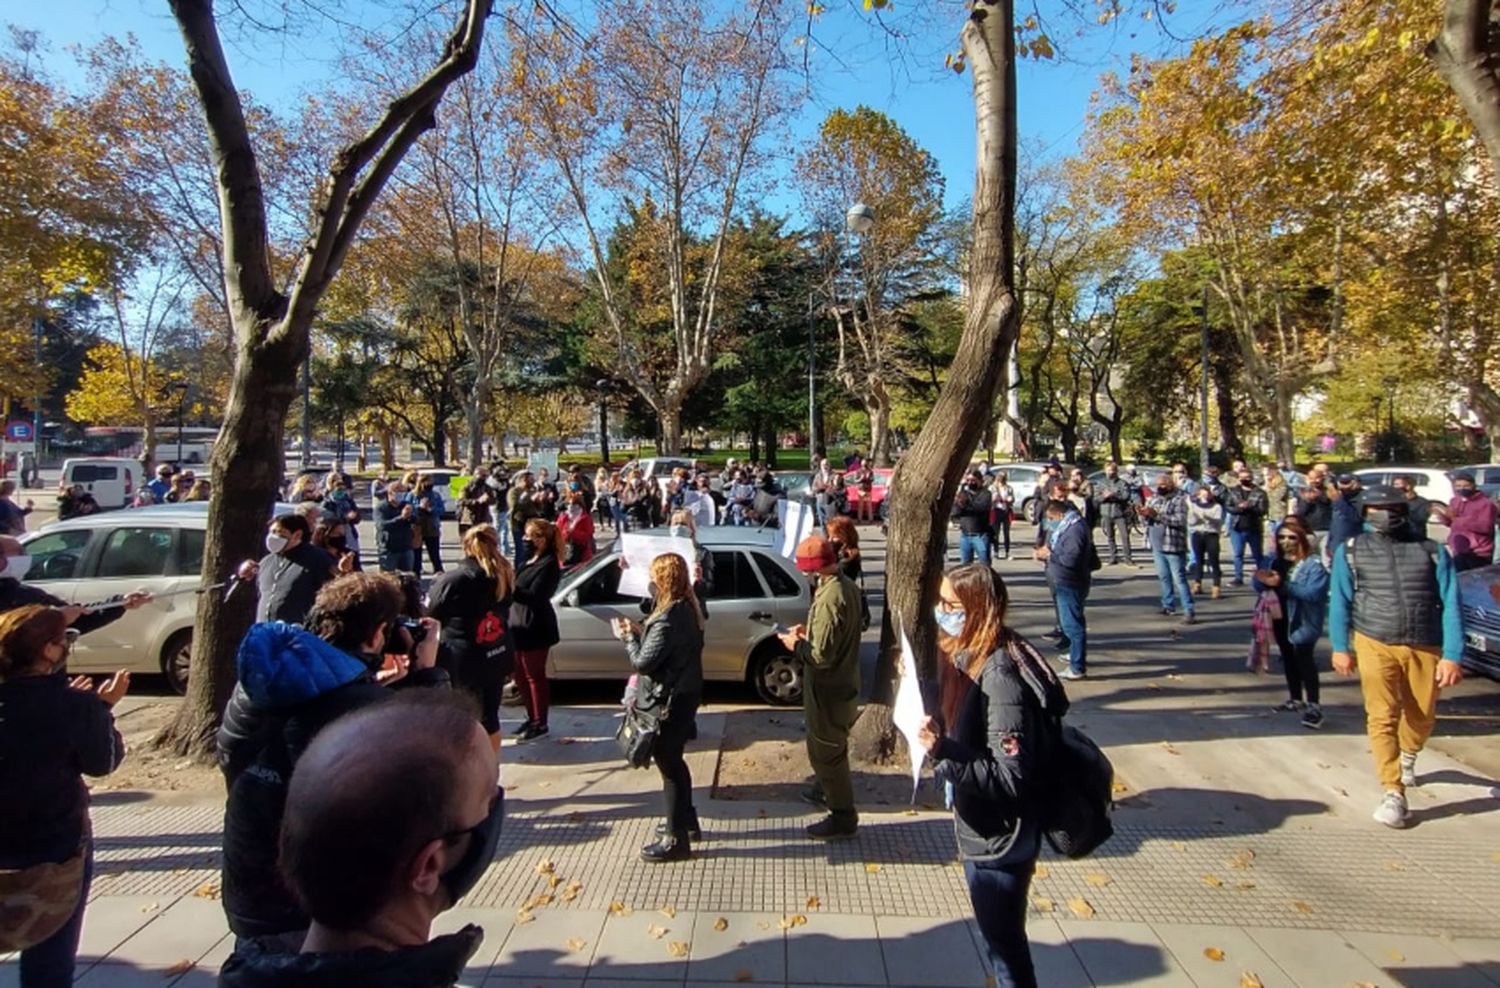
{"type": "Point", "coordinates": [1229, 433]}
{"type": "Point", "coordinates": [1281, 425]}
{"type": "Point", "coordinates": [923, 486]}
{"type": "Point", "coordinates": [772, 444]}
{"type": "Point", "coordinates": [878, 408]}
{"type": "Point", "coordinates": [148, 447]}
{"type": "Point", "coordinates": [753, 454]}
{"type": "Point", "coordinates": [1467, 55]}
{"type": "Point", "coordinates": [437, 445]}
{"type": "Point", "coordinates": [474, 409]}
{"type": "Point", "coordinates": [670, 438]}
{"type": "Point", "coordinates": [247, 466]}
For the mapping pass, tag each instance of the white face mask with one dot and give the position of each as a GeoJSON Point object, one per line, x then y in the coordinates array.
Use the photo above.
{"type": "Point", "coordinates": [275, 543]}
{"type": "Point", "coordinates": [16, 567]}
{"type": "Point", "coordinates": [575, 511]}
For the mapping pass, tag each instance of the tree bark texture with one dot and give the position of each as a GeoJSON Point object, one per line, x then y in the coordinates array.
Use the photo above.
{"type": "Point", "coordinates": [272, 328]}
{"type": "Point", "coordinates": [1466, 54]}
{"type": "Point", "coordinates": [925, 481]}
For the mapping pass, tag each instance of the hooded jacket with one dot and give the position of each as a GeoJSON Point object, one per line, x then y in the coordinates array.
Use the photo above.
{"type": "Point", "coordinates": [290, 685]}
{"type": "Point", "coordinates": [439, 963]}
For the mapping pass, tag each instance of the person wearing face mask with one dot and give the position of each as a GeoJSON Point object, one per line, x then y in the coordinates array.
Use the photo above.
{"type": "Point", "coordinates": [416, 780]}
{"type": "Point", "coordinates": [291, 573]}
{"type": "Point", "coordinates": [1347, 518]}
{"type": "Point", "coordinates": [533, 623]}
{"type": "Point", "coordinates": [339, 506]}
{"type": "Point", "coordinates": [828, 645]}
{"type": "Point", "coordinates": [988, 750]}
{"type": "Point", "coordinates": [16, 593]}
{"type": "Point", "coordinates": [1246, 506]}
{"type": "Point", "coordinates": [577, 527]}
{"type": "Point", "coordinates": [1165, 514]}
{"type": "Point", "coordinates": [1205, 524]}
{"type": "Point", "coordinates": [971, 508]}
{"type": "Point", "coordinates": [1070, 556]}
{"type": "Point", "coordinates": [429, 525]}
{"type": "Point", "coordinates": [292, 683]}
{"type": "Point", "coordinates": [52, 733]}
{"type": "Point", "coordinates": [1470, 518]}
{"type": "Point", "coordinates": [1394, 617]}
{"type": "Point", "coordinates": [1115, 500]}
{"type": "Point", "coordinates": [396, 530]}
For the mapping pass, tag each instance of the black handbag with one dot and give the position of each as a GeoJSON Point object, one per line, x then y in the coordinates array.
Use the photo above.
{"type": "Point", "coordinates": [636, 736]}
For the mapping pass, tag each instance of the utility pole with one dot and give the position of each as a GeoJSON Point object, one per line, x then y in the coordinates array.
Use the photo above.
{"type": "Point", "coordinates": [1203, 392]}
{"type": "Point", "coordinates": [36, 408]}
{"type": "Point", "coordinates": [812, 387]}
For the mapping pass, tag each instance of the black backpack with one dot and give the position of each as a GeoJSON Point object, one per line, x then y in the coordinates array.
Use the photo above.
{"type": "Point", "coordinates": [1078, 793]}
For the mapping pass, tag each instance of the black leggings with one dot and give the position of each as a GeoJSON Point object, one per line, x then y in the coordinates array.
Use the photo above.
{"type": "Point", "coordinates": [1002, 530]}
{"type": "Point", "coordinates": [676, 780]}
{"type": "Point", "coordinates": [1206, 549]}
{"type": "Point", "coordinates": [1300, 664]}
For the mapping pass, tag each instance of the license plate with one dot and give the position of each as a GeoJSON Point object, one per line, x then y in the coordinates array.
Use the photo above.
{"type": "Point", "coordinates": [1476, 641]}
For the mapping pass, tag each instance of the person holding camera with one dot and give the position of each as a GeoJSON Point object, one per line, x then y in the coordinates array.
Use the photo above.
{"type": "Point", "coordinates": [293, 682]}
{"type": "Point", "coordinates": [971, 508]}
{"type": "Point", "coordinates": [396, 530]}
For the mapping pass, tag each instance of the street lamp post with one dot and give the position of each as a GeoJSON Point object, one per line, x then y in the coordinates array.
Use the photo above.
{"type": "Point", "coordinates": [181, 387]}
{"type": "Point", "coordinates": [812, 387]}
{"type": "Point", "coordinates": [1390, 381]}
{"type": "Point", "coordinates": [603, 385]}
{"type": "Point", "coordinates": [1203, 387]}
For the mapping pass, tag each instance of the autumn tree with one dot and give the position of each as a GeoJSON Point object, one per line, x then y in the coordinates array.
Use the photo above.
{"type": "Point", "coordinates": [271, 319]}
{"type": "Point", "coordinates": [671, 103]}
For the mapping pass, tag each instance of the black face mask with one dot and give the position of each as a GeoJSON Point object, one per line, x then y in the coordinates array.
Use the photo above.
{"type": "Point", "coordinates": [337, 543]}
{"type": "Point", "coordinates": [1164, 491]}
{"type": "Point", "coordinates": [1385, 520]}
{"type": "Point", "coordinates": [459, 880]}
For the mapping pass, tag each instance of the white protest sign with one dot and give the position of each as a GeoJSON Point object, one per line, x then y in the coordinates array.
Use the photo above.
{"type": "Point", "coordinates": [537, 461]}
{"type": "Point", "coordinates": [909, 712]}
{"type": "Point", "coordinates": [702, 507]}
{"type": "Point", "coordinates": [797, 521]}
{"type": "Point", "coordinates": [638, 551]}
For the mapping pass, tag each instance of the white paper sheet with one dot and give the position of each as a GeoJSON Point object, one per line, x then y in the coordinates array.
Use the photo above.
{"type": "Point", "coordinates": [536, 461]}
{"type": "Point", "coordinates": [638, 552]}
{"type": "Point", "coordinates": [702, 507]}
{"type": "Point", "coordinates": [909, 712]}
{"type": "Point", "coordinates": [797, 521]}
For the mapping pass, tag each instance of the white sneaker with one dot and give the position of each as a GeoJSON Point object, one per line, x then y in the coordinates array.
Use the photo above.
{"type": "Point", "coordinates": [1408, 770]}
{"type": "Point", "coordinates": [1392, 810]}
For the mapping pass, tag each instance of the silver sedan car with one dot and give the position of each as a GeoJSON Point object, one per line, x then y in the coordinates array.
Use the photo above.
{"type": "Point", "coordinates": [754, 591]}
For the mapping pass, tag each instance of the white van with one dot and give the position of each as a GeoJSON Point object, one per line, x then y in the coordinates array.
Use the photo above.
{"type": "Point", "coordinates": [113, 481]}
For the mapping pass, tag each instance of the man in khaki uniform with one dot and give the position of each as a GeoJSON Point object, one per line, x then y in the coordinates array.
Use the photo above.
{"type": "Point", "coordinates": [828, 646]}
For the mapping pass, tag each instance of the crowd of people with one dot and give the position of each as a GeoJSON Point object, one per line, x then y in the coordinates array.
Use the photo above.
{"type": "Point", "coordinates": [363, 702]}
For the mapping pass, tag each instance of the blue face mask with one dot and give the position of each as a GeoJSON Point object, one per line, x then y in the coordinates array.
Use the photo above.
{"type": "Point", "coordinates": [952, 622]}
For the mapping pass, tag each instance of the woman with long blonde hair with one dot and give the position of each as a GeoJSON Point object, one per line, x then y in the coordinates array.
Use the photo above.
{"type": "Point", "coordinates": [472, 601]}
{"type": "Point", "coordinates": [666, 652]}
{"type": "Point", "coordinates": [985, 747]}
{"type": "Point", "coordinates": [533, 622]}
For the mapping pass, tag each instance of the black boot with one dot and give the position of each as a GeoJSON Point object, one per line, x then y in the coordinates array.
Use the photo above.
{"type": "Point", "coordinates": [694, 829]}
{"type": "Point", "coordinates": [525, 726]}
{"type": "Point", "coordinates": [673, 847]}
{"type": "Point", "coordinates": [835, 826]}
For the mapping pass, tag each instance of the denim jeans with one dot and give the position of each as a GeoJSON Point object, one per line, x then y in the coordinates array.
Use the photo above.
{"type": "Point", "coordinates": [972, 547]}
{"type": "Point", "coordinates": [1237, 543]}
{"type": "Point", "coordinates": [397, 561]}
{"type": "Point", "coordinates": [502, 531]}
{"type": "Point", "coordinates": [1171, 573]}
{"type": "Point", "coordinates": [1074, 625]}
{"type": "Point", "coordinates": [999, 896]}
{"type": "Point", "coordinates": [50, 963]}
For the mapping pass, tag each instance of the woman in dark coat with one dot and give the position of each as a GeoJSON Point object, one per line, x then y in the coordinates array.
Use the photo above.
{"type": "Point", "coordinates": [52, 733]}
{"type": "Point", "coordinates": [988, 754]}
{"type": "Point", "coordinates": [533, 622]}
{"type": "Point", "coordinates": [666, 652]}
{"type": "Point", "coordinates": [472, 601]}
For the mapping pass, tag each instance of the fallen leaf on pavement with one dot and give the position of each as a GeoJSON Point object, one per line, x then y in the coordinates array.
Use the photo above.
{"type": "Point", "coordinates": [620, 909]}
{"type": "Point", "coordinates": [1167, 747]}
{"type": "Point", "coordinates": [1242, 859]}
{"type": "Point", "coordinates": [656, 932]}
{"type": "Point", "coordinates": [1249, 979]}
{"type": "Point", "coordinates": [677, 948]}
{"type": "Point", "coordinates": [1302, 907]}
{"type": "Point", "coordinates": [181, 967]}
{"type": "Point", "coordinates": [721, 924]}
{"type": "Point", "coordinates": [744, 975]}
{"type": "Point", "coordinates": [909, 813]}
{"type": "Point", "coordinates": [1213, 953]}
{"type": "Point", "coordinates": [576, 944]}
{"type": "Point", "coordinates": [787, 922]}
{"type": "Point", "coordinates": [1081, 908]}
{"type": "Point", "coordinates": [1396, 956]}
{"type": "Point", "coordinates": [668, 911]}
{"type": "Point", "coordinates": [1044, 905]}
{"type": "Point", "coordinates": [208, 890]}
{"type": "Point", "coordinates": [1118, 788]}
{"type": "Point", "coordinates": [813, 902]}
{"type": "Point", "coordinates": [553, 881]}
{"type": "Point", "coordinates": [544, 899]}
{"type": "Point", "coordinates": [544, 866]}
{"type": "Point", "coordinates": [1213, 881]}
{"type": "Point", "coordinates": [1099, 881]}
{"type": "Point", "coordinates": [524, 916]}
{"type": "Point", "coordinates": [872, 869]}
{"type": "Point", "coordinates": [150, 907]}
{"type": "Point", "coordinates": [1394, 865]}
{"type": "Point", "coordinates": [571, 892]}
{"type": "Point", "coordinates": [1245, 885]}
{"type": "Point", "coordinates": [1178, 845]}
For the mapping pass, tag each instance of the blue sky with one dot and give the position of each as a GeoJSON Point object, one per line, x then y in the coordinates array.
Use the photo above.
{"type": "Point", "coordinates": [933, 104]}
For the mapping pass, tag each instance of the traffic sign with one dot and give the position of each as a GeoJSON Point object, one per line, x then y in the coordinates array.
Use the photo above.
{"type": "Point", "coordinates": [19, 431]}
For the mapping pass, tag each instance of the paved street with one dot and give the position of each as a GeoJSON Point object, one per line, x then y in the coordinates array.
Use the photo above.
{"type": "Point", "coordinates": [1244, 844]}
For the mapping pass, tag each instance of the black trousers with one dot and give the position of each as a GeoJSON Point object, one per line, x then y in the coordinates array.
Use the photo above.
{"type": "Point", "coordinates": [676, 780]}
{"type": "Point", "coordinates": [1299, 663]}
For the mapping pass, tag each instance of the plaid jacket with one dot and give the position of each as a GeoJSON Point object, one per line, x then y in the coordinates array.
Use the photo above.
{"type": "Point", "coordinates": [1167, 529]}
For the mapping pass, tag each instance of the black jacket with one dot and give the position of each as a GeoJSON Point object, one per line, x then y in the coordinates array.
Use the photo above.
{"type": "Point", "coordinates": [393, 533]}
{"type": "Point", "coordinates": [14, 593]}
{"type": "Point", "coordinates": [51, 735]}
{"type": "Point", "coordinates": [533, 622]}
{"type": "Point", "coordinates": [668, 654]}
{"type": "Point", "coordinates": [995, 756]}
{"type": "Point", "coordinates": [1246, 507]}
{"type": "Point", "coordinates": [439, 963]}
{"type": "Point", "coordinates": [474, 622]}
{"type": "Point", "coordinates": [290, 581]}
{"type": "Point", "coordinates": [972, 509]}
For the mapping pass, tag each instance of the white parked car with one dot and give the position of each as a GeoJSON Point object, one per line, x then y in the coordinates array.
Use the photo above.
{"type": "Point", "coordinates": [1430, 483]}
{"type": "Point", "coordinates": [754, 591]}
{"type": "Point", "coordinates": [96, 557]}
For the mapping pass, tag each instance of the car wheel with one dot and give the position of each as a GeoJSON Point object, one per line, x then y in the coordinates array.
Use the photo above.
{"type": "Point", "coordinates": [1026, 508]}
{"type": "Point", "coordinates": [176, 657]}
{"type": "Point", "coordinates": [776, 675]}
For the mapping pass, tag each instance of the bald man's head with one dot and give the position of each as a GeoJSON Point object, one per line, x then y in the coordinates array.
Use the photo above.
{"type": "Point", "coordinates": [374, 801]}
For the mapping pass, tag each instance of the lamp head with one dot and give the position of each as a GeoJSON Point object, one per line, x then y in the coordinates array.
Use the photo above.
{"type": "Point", "coordinates": [859, 219]}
